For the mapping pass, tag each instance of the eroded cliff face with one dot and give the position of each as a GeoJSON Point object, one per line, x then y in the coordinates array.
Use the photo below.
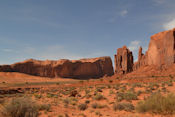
{"type": "Point", "coordinates": [161, 51]}
{"type": "Point", "coordinates": [123, 60]}
{"type": "Point", "coordinates": [84, 68]}
{"type": "Point", "coordinates": [142, 60]}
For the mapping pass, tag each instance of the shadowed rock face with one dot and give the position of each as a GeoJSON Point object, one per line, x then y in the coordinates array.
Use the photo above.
{"type": "Point", "coordinates": [123, 60]}
{"type": "Point", "coordinates": [84, 68]}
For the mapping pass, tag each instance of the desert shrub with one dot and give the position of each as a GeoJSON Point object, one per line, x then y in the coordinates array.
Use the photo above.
{"type": "Point", "coordinates": [101, 79]}
{"type": "Point", "coordinates": [96, 105]}
{"type": "Point", "coordinates": [110, 81]}
{"type": "Point", "coordinates": [108, 86]}
{"type": "Point", "coordinates": [87, 101]}
{"type": "Point", "coordinates": [88, 96]}
{"type": "Point", "coordinates": [131, 89]}
{"type": "Point", "coordinates": [99, 96]}
{"type": "Point", "coordinates": [153, 86]}
{"type": "Point", "coordinates": [70, 100]}
{"type": "Point", "coordinates": [158, 104]}
{"type": "Point", "coordinates": [81, 81]}
{"type": "Point", "coordinates": [98, 89]}
{"type": "Point", "coordinates": [111, 92]}
{"type": "Point", "coordinates": [117, 87]}
{"type": "Point", "coordinates": [87, 91]}
{"type": "Point", "coordinates": [21, 107]}
{"type": "Point", "coordinates": [171, 77]}
{"type": "Point", "coordinates": [164, 89]}
{"type": "Point", "coordinates": [137, 85]}
{"type": "Point", "coordinates": [139, 92]}
{"type": "Point", "coordinates": [2, 101]}
{"type": "Point", "coordinates": [170, 83]}
{"type": "Point", "coordinates": [126, 96]}
{"type": "Point", "coordinates": [82, 106]}
{"type": "Point", "coordinates": [45, 107]}
{"type": "Point", "coordinates": [123, 106]}
{"type": "Point", "coordinates": [50, 95]}
{"type": "Point", "coordinates": [98, 113]}
{"type": "Point", "coordinates": [37, 95]}
{"type": "Point", "coordinates": [123, 88]}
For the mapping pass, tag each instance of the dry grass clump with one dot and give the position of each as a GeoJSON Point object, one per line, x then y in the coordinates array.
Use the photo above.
{"type": "Point", "coordinates": [123, 106]}
{"type": "Point", "coordinates": [20, 107]}
{"type": "Point", "coordinates": [99, 96]}
{"type": "Point", "coordinates": [97, 105]}
{"type": "Point", "coordinates": [126, 96]}
{"type": "Point", "coordinates": [158, 104]}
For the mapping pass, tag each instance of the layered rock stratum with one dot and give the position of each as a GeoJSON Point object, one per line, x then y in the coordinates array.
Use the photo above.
{"type": "Point", "coordinates": [83, 68]}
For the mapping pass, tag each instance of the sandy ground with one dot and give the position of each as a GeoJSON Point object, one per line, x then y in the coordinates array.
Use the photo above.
{"type": "Point", "coordinates": [54, 92]}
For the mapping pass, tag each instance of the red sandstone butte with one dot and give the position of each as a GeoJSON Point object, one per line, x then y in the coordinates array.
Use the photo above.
{"type": "Point", "coordinates": [83, 68]}
{"type": "Point", "coordinates": [161, 49]}
{"type": "Point", "coordinates": [123, 60]}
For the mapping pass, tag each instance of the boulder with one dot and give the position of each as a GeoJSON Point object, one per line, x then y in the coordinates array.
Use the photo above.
{"type": "Point", "coordinates": [123, 60]}
{"type": "Point", "coordinates": [83, 68]}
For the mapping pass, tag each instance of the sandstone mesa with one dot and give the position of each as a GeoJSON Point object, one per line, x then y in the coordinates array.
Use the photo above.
{"type": "Point", "coordinates": [83, 68]}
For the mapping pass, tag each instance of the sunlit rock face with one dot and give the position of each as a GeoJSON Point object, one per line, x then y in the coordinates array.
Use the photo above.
{"type": "Point", "coordinates": [84, 68]}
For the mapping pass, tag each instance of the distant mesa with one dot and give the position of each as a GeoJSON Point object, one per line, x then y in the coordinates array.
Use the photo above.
{"type": "Point", "coordinates": [84, 68]}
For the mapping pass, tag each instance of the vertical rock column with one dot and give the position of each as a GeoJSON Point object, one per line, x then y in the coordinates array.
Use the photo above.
{"type": "Point", "coordinates": [123, 61]}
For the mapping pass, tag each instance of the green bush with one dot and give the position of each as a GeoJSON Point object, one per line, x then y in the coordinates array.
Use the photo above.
{"type": "Point", "coordinates": [123, 106]}
{"type": "Point", "coordinates": [158, 104]}
{"type": "Point", "coordinates": [21, 107]}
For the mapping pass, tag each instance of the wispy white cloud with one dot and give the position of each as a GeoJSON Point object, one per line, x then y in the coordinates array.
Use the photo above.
{"type": "Point", "coordinates": [124, 12]}
{"type": "Point", "coordinates": [7, 50]}
{"type": "Point", "coordinates": [159, 2]}
{"type": "Point", "coordinates": [134, 45]}
{"type": "Point", "coordinates": [116, 15]}
{"type": "Point", "coordinates": [55, 52]}
{"type": "Point", "coordinates": [169, 25]}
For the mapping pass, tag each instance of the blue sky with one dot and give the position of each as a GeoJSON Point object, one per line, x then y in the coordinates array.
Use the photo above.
{"type": "Point", "coordinates": [74, 29]}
